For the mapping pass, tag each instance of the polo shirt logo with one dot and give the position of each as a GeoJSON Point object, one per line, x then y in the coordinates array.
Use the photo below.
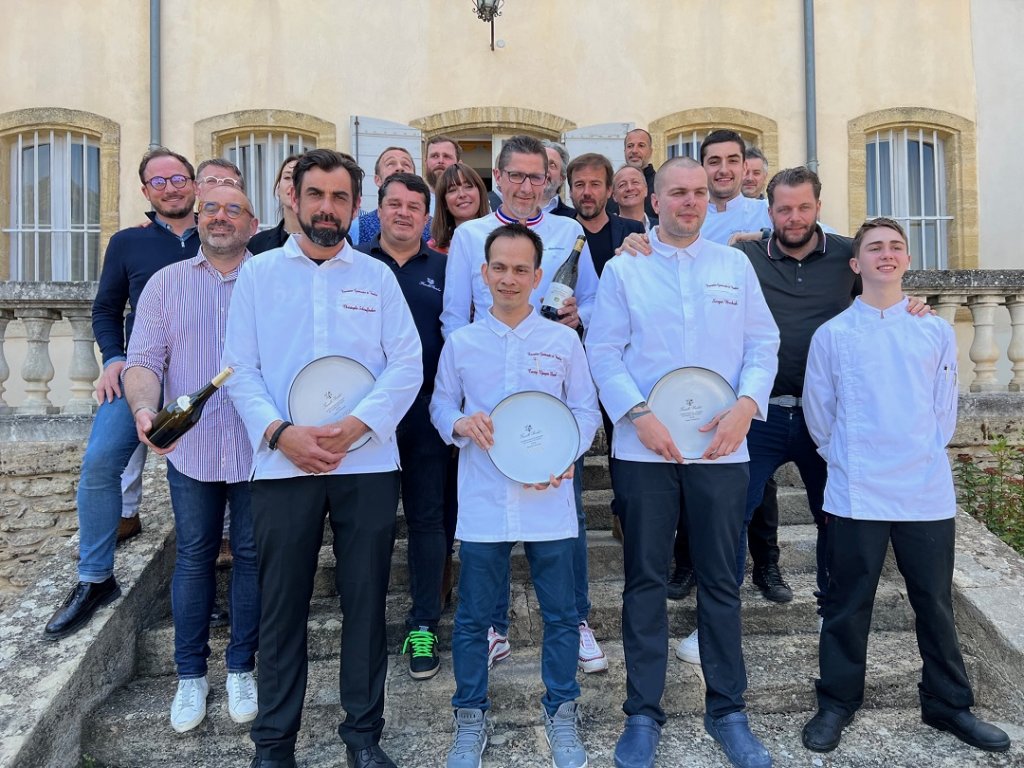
{"type": "Point", "coordinates": [429, 283]}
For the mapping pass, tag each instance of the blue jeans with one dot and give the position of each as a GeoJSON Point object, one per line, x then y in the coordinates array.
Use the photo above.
{"type": "Point", "coordinates": [199, 523]}
{"type": "Point", "coordinates": [581, 575]}
{"type": "Point", "coordinates": [111, 443]}
{"type": "Point", "coordinates": [783, 437]}
{"type": "Point", "coordinates": [483, 577]}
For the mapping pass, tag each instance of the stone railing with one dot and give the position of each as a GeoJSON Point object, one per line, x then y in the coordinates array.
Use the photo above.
{"type": "Point", "coordinates": [38, 306]}
{"type": "Point", "coordinates": [982, 292]}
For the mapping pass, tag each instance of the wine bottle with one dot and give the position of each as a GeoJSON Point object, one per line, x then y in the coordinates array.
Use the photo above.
{"type": "Point", "coordinates": [179, 416]}
{"type": "Point", "coordinates": [563, 284]}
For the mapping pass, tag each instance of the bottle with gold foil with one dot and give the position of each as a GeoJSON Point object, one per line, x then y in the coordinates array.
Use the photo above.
{"type": "Point", "coordinates": [180, 415]}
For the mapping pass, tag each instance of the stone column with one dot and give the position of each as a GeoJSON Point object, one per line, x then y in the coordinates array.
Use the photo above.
{"type": "Point", "coordinates": [984, 351]}
{"type": "Point", "coordinates": [1015, 305]}
{"type": "Point", "coordinates": [6, 316]}
{"type": "Point", "coordinates": [37, 372]}
{"type": "Point", "coordinates": [84, 369]}
{"type": "Point", "coordinates": [946, 305]}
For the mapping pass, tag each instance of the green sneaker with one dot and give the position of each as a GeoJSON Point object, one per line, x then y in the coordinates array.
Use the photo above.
{"type": "Point", "coordinates": [421, 645]}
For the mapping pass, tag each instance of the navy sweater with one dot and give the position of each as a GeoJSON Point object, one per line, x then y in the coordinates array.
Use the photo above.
{"type": "Point", "coordinates": [133, 256]}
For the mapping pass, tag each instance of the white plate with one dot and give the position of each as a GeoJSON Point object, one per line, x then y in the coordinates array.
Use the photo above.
{"type": "Point", "coordinates": [535, 437]}
{"type": "Point", "coordinates": [327, 390]}
{"type": "Point", "coordinates": [685, 400]}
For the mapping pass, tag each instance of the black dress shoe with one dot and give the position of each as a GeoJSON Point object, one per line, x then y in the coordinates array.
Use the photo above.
{"type": "Point", "coordinates": [681, 584]}
{"type": "Point", "coordinates": [368, 757]}
{"type": "Point", "coordinates": [79, 606]}
{"type": "Point", "coordinates": [823, 731]}
{"type": "Point", "coordinates": [266, 762]}
{"type": "Point", "coordinates": [970, 730]}
{"type": "Point", "coordinates": [768, 578]}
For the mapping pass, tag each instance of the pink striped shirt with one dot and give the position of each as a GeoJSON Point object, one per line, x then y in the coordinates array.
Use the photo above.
{"type": "Point", "coordinates": [179, 336]}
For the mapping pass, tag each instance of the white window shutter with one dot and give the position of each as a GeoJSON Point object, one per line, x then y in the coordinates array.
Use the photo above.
{"type": "Point", "coordinates": [370, 137]}
{"type": "Point", "coordinates": [606, 139]}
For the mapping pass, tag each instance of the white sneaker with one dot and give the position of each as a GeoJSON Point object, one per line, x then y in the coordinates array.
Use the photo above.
{"type": "Point", "coordinates": [592, 658]}
{"type": "Point", "coordinates": [688, 650]}
{"type": "Point", "coordinates": [242, 697]}
{"type": "Point", "coordinates": [189, 707]}
{"type": "Point", "coordinates": [498, 647]}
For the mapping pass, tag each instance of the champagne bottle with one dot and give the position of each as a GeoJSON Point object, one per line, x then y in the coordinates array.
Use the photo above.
{"type": "Point", "coordinates": [563, 284]}
{"type": "Point", "coordinates": [179, 416]}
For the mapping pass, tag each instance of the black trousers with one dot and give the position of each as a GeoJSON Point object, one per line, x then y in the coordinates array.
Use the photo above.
{"type": "Point", "coordinates": [924, 555]}
{"type": "Point", "coordinates": [650, 496]}
{"type": "Point", "coordinates": [288, 523]}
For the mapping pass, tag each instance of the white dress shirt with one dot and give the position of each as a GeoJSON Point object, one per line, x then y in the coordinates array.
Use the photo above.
{"type": "Point", "coordinates": [741, 214]}
{"type": "Point", "coordinates": [880, 400]}
{"type": "Point", "coordinates": [482, 364]}
{"type": "Point", "coordinates": [464, 285]}
{"type": "Point", "coordinates": [699, 306]}
{"type": "Point", "coordinates": [285, 312]}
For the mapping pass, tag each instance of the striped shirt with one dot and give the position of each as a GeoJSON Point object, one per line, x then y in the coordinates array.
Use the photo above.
{"type": "Point", "coordinates": [179, 336]}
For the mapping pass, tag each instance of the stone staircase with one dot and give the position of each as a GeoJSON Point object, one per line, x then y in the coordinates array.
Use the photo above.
{"type": "Point", "coordinates": [131, 729]}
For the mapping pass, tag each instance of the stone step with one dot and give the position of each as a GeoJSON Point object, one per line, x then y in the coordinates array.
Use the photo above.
{"type": "Point", "coordinates": [892, 612]}
{"type": "Point", "coordinates": [131, 728]}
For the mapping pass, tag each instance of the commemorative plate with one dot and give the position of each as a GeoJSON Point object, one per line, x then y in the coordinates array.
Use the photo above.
{"type": "Point", "coordinates": [326, 390]}
{"type": "Point", "coordinates": [535, 436]}
{"type": "Point", "coordinates": [685, 400]}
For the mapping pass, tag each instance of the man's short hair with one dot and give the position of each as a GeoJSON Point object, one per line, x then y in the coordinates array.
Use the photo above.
{"type": "Point", "coordinates": [635, 130]}
{"type": "Point", "coordinates": [410, 181]}
{"type": "Point", "coordinates": [221, 162]}
{"type": "Point", "coordinates": [721, 136]}
{"type": "Point", "coordinates": [562, 153]}
{"type": "Point", "coordinates": [327, 160]}
{"type": "Point", "coordinates": [590, 160]}
{"type": "Point", "coordinates": [443, 139]}
{"type": "Point", "coordinates": [875, 223]}
{"type": "Point", "coordinates": [155, 152]}
{"type": "Point", "coordinates": [682, 161]}
{"type": "Point", "coordinates": [376, 165]}
{"type": "Point", "coordinates": [794, 177]}
{"type": "Point", "coordinates": [520, 145]}
{"type": "Point", "coordinates": [753, 153]}
{"type": "Point", "coordinates": [512, 231]}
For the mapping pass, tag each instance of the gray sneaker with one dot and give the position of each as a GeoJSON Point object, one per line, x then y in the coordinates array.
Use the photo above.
{"type": "Point", "coordinates": [566, 748]}
{"type": "Point", "coordinates": [470, 739]}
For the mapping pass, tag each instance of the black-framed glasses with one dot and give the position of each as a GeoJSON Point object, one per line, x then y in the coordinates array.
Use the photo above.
{"type": "Point", "coordinates": [177, 181]}
{"type": "Point", "coordinates": [218, 180]}
{"type": "Point", "coordinates": [518, 177]}
{"type": "Point", "coordinates": [232, 210]}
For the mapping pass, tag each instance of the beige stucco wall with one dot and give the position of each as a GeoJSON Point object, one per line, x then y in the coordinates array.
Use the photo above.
{"type": "Point", "coordinates": [587, 61]}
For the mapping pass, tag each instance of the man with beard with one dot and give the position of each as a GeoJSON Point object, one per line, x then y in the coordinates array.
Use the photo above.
{"type": "Point", "coordinates": [132, 257]}
{"type": "Point", "coordinates": [441, 152]}
{"type": "Point", "coordinates": [313, 298]}
{"type": "Point", "coordinates": [590, 185]}
{"type": "Point", "coordinates": [558, 165]}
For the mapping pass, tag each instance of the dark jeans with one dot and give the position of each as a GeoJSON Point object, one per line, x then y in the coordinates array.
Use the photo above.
{"type": "Point", "coordinates": [650, 495]}
{"type": "Point", "coordinates": [781, 438]}
{"type": "Point", "coordinates": [484, 577]}
{"type": "Point", "coordinates": [288, 520]}
{"type": "Point", "coordinates": [424, 476]}
{"type": "Point", "coordinates": [199, 527]}
{"type": "Point", "coordinates": [924, 555]}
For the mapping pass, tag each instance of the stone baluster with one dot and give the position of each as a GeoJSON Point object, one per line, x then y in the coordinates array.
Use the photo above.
{"type": "Point", "coordinates": [1015, 304]}
{"type": "Point", "coordinates": [37, 371]}
{"type": "Point", "coordinates": [84, 369]}
{"type": "Point", "coordinates": [6, 316]}
{"type": "Point", "coordinates": [984, 352]}
{"type": "Point", "coordinates": [946, 305]}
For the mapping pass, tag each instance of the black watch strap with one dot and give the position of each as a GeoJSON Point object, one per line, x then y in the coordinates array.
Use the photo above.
{"type": "Point", "coordinates": [272, 444]}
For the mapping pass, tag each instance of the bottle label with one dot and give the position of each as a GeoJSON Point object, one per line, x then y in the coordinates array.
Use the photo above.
{"type": "Point", "coordinates": [184, 402]}
{"type": "Point", "coordinates": [557, 294]}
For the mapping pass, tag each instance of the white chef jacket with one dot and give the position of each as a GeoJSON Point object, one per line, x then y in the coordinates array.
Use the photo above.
{"type": "Point", "coordinates": [699, 306]}
{"type": "Point", "coordinates": [482, 364]}
{"type": "Point", "coordinates": [741, 214]}
{"type": "Point", "coordinates": [880, 400]}
{"type": "Point", "coordinates": [285, 312]}
{"type": "Point", "coordinates": [464, 285]}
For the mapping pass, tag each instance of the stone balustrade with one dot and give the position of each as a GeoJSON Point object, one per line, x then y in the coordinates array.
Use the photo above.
{"type": "Point", "coordinates": [983, 292]}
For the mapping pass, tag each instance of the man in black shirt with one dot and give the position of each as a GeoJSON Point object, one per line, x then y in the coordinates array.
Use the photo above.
{"type": "Point", "coordinates": [404, 200]}
{"type": "Point", "coordinates": [590, 186]}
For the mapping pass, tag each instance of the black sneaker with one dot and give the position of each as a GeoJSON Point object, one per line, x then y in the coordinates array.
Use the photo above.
{"type": "Point", "coordinates": [681, 584]}
{"type": "Point", "coordinates": [421, 644]}
{"type": "Point", "coordinates": [768, 578]}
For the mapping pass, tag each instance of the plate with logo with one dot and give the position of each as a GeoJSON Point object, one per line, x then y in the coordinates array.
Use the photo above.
{"type": "Point", "coordinates": [535, 436]}
{"type": "Point", "coordinates": [327, 390]}
{"type": "Point", "coordinates": [685, 400]}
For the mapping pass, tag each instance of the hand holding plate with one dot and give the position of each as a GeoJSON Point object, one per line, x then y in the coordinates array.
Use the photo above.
{"type": "Point", "coordinates": [731, 427]}
{"type": "Point", "coordinates": [302, 447]}
{"type": "Point", "coordinates": [349, 429]}
{"type": "Point", "coordinates": [554, 482]}
{"type": "Point", "coordinates": [477, 428]}
{"type": "Point", "coordinates": [655, 437]}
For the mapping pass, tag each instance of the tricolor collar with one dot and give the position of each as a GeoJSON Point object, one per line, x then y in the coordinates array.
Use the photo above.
{"type": "Point", "coordinates": [506, 219]}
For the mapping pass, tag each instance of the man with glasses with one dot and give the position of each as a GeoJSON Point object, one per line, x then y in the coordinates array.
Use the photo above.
{"type": "Point", "coordinates": [132, 257]}
{"type": "Point", "coordinates": [217, 171]}
{"type": "Point", "coordinates": [176, 349]}
{"type": "Point", "coordinates": [521, 176]}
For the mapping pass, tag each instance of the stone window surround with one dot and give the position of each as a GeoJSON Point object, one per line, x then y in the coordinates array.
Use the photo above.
{"type": "Point", "coordinates": [212, 132]}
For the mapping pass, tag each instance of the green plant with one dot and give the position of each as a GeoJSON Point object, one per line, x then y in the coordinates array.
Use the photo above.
{"type": "Point", "coordinates": [993, 491]}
